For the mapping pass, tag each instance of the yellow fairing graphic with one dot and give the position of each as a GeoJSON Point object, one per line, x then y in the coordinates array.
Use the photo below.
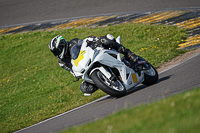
{"type": "Point", "coordinates": [80, 57]}
{"type": "Point", "coordinates": [134, 76]}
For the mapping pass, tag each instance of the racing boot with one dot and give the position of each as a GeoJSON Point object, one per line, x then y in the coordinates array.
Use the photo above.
{"type": "Point", "coordinates": [88, 88]}
{"type": "Point", "coordinates": [133, 58]}
{"type": "Point", "coordinates": [138, 65]}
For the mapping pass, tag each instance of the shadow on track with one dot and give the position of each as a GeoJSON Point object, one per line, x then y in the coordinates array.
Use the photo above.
{"type": "Point", "coordinates": [141, 86]}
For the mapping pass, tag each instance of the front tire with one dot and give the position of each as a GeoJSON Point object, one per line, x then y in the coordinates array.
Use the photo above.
{"type": "Point", "coordinates": [150, 76]}
{"type": "Point", "coordinates": [113, 88]}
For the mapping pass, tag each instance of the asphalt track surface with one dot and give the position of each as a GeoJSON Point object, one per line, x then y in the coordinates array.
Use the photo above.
{"type": "Point", "coordinates": [182, 77]}
{"type": "Point", "coordinates": [14, 12]}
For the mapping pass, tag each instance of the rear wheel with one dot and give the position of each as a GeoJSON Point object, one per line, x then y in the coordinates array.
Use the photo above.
{"type": "Point", "coordinates": [111, 87]}
{"type": "Point", "coordinates": [150, 76]}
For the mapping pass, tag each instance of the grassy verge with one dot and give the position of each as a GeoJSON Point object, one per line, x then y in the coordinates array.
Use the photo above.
{"type": "Point", "coordinates": [177, 114]}
{"type": "Point", "coordinates": [33, 87]}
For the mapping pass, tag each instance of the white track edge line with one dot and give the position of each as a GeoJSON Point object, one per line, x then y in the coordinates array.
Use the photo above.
{"type": "Point", "coordinates": [179, 63]}
{"type": "Point", "coordinates": [88, 16]}
{"type": "Point", "coordinates": [62, 114]}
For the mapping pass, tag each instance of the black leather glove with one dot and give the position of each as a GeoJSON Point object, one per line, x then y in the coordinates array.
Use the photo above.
{"type": "Point", "coordinates": [107, 41]}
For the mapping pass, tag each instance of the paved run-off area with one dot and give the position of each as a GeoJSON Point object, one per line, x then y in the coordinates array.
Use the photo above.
{"type": "Point", "coordinates": [188, 19]}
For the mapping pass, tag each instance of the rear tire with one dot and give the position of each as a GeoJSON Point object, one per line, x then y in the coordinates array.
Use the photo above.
{"type": "Point", "coordinates": [150, 76]}
{"type": "Point", "coordinates": [113, 88]}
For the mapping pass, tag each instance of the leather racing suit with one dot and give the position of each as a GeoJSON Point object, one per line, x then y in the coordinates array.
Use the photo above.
{"type": "Point", "coordinates": [108, 42]}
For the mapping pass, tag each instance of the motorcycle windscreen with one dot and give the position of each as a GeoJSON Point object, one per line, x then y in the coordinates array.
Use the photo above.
{"type": "Point", "coordinates": [75, 50]}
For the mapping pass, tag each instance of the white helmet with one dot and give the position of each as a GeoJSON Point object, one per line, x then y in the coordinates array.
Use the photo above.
{"type": "Point", "coordinates": [59, 46]}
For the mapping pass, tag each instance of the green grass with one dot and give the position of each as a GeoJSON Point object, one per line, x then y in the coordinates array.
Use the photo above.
{"type": "Point", "coordinates": [33, 87]}
{"type": "Point", "coordinates": [177, 114]}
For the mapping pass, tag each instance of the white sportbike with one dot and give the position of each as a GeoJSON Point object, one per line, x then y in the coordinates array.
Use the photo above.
{"type": "Point", "coordinates": [108, 70]}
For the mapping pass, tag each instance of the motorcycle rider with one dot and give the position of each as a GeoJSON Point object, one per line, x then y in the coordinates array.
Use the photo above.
{"type": "Point", "coordinates": [61, 49]}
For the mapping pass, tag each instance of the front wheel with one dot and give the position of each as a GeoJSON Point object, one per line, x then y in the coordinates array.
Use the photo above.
{"type": "Point", "coordinates": [150, 76]}
{"type": "Point", "coordinates": [111, 87]}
